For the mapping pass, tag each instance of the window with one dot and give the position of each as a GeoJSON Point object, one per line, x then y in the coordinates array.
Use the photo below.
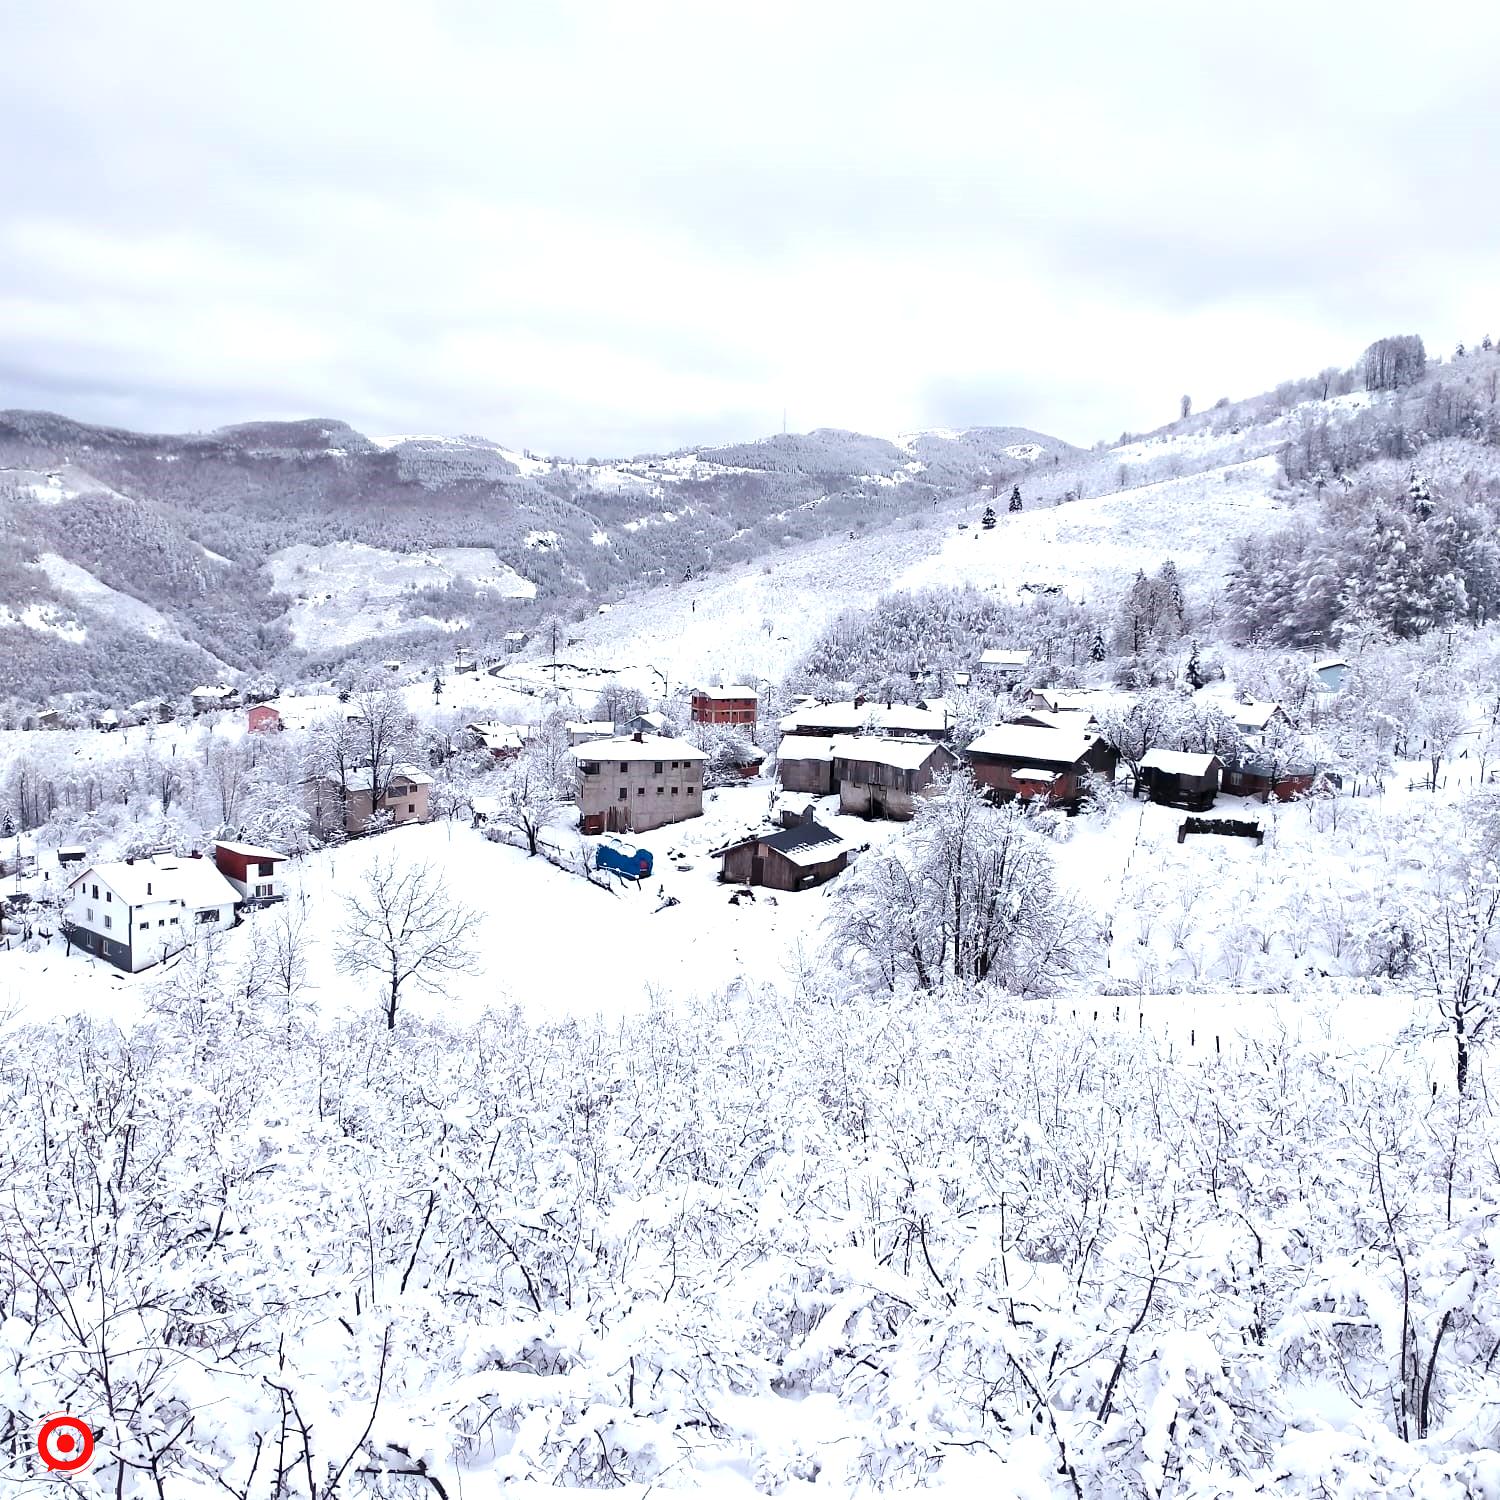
{"type": "Point", "coordinates": [624, 793]}
{"type": "Point", "coordinates": [145, 927]}
{"type": "Point", "coordinates": [109, 895]}
{"type": "Point", "coordinates": [640, 791]}
{"type": "Point", "coordinates": [264, 868]}
{"type": "Point", "coordinates": [148, 887]}
{"type": "Point", "coordinates": [624, 765]}
{"type": "Point", "coordinates": [411, 807]}
{"type": "Point", "coordinates": [674, 791]}
{"type": "Point", "coordinates": [661, 791]}
{"type": "Point", "coordinates": [96, 893]}
{"type": "Point", "coordinates": [161, 921]}
{"type": "Point", "coordinates": [591, 768]}
{"type": "Point", "coordinates": [109, 921]}
{"type": "Point", "coordinates": [657, 768]}
{"type": "Point", "coordinates": [210, 915]}
{"type": "Point", "coordinates": [264, 890]}
{"type": "Point", "coordinates": [88, 913]}
{"type": "Point", "coordinates": [174, 921]}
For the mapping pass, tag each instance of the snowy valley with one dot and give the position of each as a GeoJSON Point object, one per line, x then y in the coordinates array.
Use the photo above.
{"type": "Point", "coordinates": [987, 989]}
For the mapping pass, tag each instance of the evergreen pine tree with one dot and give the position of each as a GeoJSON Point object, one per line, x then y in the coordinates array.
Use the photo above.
{"type": "Point", "coordinates": [437, 683]}
{"type": "Point", "coordinates": [989, 518]}
{"type": "Point", "coordinates": [1195, 676]}
{"type": "Point", "coordinates": [1097, 650]}
{"type": "Point", "coordinates": [1419, 495]}
{"type": "Point", "coordinates": [1015, 499]}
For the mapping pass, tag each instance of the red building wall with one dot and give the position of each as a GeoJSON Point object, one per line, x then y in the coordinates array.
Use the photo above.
{"type": "Point", "coordinates": [708, 710]}
{"type": "Point", "coordinates": [262, 718]}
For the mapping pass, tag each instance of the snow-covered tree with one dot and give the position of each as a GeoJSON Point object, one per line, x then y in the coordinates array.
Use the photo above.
{"type": "Point", "coordinates": [402, 926]}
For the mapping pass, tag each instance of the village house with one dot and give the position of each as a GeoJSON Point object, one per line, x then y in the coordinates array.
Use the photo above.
{"type": "Point", "coordinates": [1267, 777]}
{"type": "Point", "coordinates": [135, 912]}
{"type": "Point", "coordinates": [1253, 719]}
{"type": "Point", "coordinates": [861, 716]}
{"type": "Point", "coordinates": [1062, 701]}
{"type": "Point", "coordinates": [1330, 672]}
{"type": "Point", "coordinates": [209, 697]}
{"type": "Point", "coordinates": [252, 872]}
{"type": "Point", "coordinates": [1180, 778]}
{"type": "Point", "coordinates": [107, 719]}
{"type": "Point", "coordinates": [1004, 667]}
{"type": "Point", "coordinates": [805, 764]}
{"type": "Point", "coordinates": [1039, 762]}
{"type": "Point", "coordinates": [49, 718]}
{"type": "Point", "coordinates": [725, 705]}
{"type": "Point", "coordinates": [148, 709]}
{"type": "Point", "coordinates": [636, 784]}
{"type": "Point", "coordinates": [353, 802]}
{"type": "Point", "coordinates": [263, 719]}
{"type": "Point", "coordinates": [582, 732]}
{"type": "Point", "coordinates": [785, 859]}
{"type": "Point", "coordinates": [645, 723]}
{"type": "Point", "coordinates": [503, 741]}
{"type": "Point", "coordinates": [883, 778]}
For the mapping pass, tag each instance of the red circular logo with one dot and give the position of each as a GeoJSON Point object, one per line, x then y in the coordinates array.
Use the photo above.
{"type": "Point", "coordinates": [66, 1444]}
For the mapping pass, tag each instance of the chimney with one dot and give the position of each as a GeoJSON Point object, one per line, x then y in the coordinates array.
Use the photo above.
{"type": "Point", "coordinates": [638, 737]}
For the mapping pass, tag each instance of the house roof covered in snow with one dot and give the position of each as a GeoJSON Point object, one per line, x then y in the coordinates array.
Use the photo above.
{"type": "Point", "coordinates": [362, 778]}
{"type": "Point", "coordinates": [197, 883]}
{"type": "Point", "coordinates": [1179, 762]}
{"type": "Point", "coordinates": [249, 851]}
{"type": "Point", "coordinates": [899, 755]}
{"type": "Point", "coordinates": [805, 747]}
{"type": "Point", "coordinates": [997, 657]}
{"type": "Point", "coordinates": [734, 690]}
{"type": "Point", "coordinates": [218, 690]}
{"type": "Point", "coordinates": [897, 718]}
{"type": "Point", "coordinates": [648, 747]}
{"type": "Point", "coordinates": [806, 844]}
{"type": "Point", "coordinates": [1033, 744]}
{"type": "Point", "coordinates": [1254, 716]}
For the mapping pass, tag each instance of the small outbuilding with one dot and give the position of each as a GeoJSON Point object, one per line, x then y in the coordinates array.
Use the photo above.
{"type": "Point", "coordinates": [1180, 778]}
{"type": "Point", "coordinates": [263, 719]}
{"type": "Point", "coordinates": [786, 859]}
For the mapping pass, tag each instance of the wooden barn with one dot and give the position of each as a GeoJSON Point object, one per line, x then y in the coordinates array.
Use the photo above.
{"type": "Point", "coordinates": [787, 859]}
{"type": "Point", "coordinates": [883, 778]}
{"type": "Point", "coordinates": [805, 764]}
{"type": "Point", "coordinates": [1253, 777]}
{"type": "Point", "coordinates": [1179, 778]}
{"type": "Point", "coordinates": [1039, 761]}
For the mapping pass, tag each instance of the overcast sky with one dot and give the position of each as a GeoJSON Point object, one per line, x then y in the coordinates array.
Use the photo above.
{"type": "Point", "coordinates": [605, 228]}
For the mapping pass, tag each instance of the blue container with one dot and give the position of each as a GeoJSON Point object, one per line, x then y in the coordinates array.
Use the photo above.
{"type": "Point", "coordinates": [622, 858]}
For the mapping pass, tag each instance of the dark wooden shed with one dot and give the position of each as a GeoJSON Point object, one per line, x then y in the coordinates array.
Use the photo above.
{"type": "Point", "coordinates": [786, 859]}
{"type": "Point", "coordinates": [1180, 778]}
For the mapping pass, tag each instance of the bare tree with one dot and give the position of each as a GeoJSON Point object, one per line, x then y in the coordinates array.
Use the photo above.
{"type": "Point", "coordinates": [528, 798]}
{"type": "Point", "coordinates": [404, 926]}
{"type": "Point", "coordinates": [1442, 723]}
{"type": "Point", "coordinates": [383, 733]}
{"type": "Point", "coordinates": [1456, 943]}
